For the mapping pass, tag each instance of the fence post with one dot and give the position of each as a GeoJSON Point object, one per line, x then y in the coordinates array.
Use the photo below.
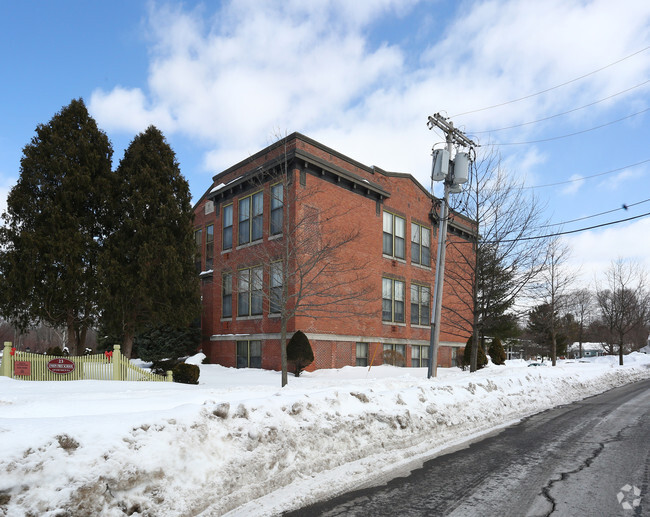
{"type": "Point", "coordinates": [117, 363]}
{"type": "Point", "coordinates": [6, 360]}
{"type": "Point", "coordinates": [170, 376]}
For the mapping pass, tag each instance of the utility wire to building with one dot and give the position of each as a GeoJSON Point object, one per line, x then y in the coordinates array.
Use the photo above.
{"type": "Point", "coordinates": [552, 87]}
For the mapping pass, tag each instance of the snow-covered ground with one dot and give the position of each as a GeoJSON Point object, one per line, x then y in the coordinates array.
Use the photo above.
{"type": "Point", "coordinates": [240, 445]}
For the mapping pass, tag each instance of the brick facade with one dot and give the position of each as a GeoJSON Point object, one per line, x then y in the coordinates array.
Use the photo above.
{"type": "Point", "coordinates": [340, 197]}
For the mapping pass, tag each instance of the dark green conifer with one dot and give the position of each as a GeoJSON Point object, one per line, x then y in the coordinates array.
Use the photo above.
{"type": "Point", "coordinates": [54, 226]}
{"type": "Point", "coordinates": [147, 268]}
{"type": "Point", "coordinates": [496, 351]}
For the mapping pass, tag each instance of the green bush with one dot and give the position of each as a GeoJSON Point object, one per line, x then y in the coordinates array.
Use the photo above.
{"type": "Point", "coordinates": [55, 351]}
{"type": "Point", "coordinates": [481, 360]}
{"type": "Point", "coordinates": [186, 373]}
{"type": "Point", "coordinates": [299, 352]}
{"type": "Point", "coordinates": [496, 351]}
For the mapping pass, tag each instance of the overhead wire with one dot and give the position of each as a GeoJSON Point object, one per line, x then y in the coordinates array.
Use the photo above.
{"type": "Point", "coordinates": [561, 114]}
{"type": "Point", "coordinates": [572, 134]}
{"type": "Point", "coordinates": [557, 234]}
{"type": "Point", "coordinates": [624, 207]}
{"type": "Point", "coordinates": [553, 87]}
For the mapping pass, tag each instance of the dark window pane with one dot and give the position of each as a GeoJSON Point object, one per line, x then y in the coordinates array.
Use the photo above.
{"type": "Point", "coordinates": [386, 310]}
{"type": "Point", "coordinates": [415, 252]}
{"type": "Point", "coordinates": [388, 244]}
{"type": "Point", "coordinates": [400, 250]}
{"type": "Point", "coordinates": [399, 312]}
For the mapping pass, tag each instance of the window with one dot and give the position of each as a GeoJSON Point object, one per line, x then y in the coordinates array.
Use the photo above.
{"type": "Point", "coordinates": [394, 235]}
{"type": "Point", "coordinates": [277, 193]}
{"type": "Point", "coordinates": [276, 288]}
{"type": "Point", "coordinates": [362, 354]}
{"type": "Point", "coordinates": [420, 245]}
{"type": "Point", "coordinates": [209, 246]}
{"type": "Point", "coordinates": [226, 295]}
{"type": "Point", "coordinates": [395, 355]}
{"type": "Point", "coordinates": [249, 292]}
{"type": "Point", "coordinates": [249, 354]}
{"type": "Point", "coordinates": [227, 227]}
{"type": "Point", "coordinates": [420, 356]}
{"type": "Point", "coordinates": [420, 304]}
{"type": "Point", "coordinates": [392, 300]}
{"type": "Point", "coordinates": [251, 210]}
{"type": "Point", "coordinates": [198, 239]}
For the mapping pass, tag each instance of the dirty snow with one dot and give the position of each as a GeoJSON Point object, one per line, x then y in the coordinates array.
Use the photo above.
{"type": "Point", "coordinates": [238, 444]}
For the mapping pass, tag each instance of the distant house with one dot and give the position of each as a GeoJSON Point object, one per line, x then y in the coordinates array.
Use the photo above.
{"type": "Point", "coordinates": [588, 350]}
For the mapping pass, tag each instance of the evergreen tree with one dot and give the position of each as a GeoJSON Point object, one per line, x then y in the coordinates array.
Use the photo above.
{"type": "Point", "coordinates": [147, 268]}
{"type": "Point", "coordinates": [481, 360]}
{"type": "Point", "coordinates": [496, 351]}
{"type": "Point", "coordinates": [166, 342]}
{"type": "Point", "coordinates": [54, 226]}
{"type": "Point", "coordinates": [540, 330]}
{"type": "Point", "coordinates": [299, 352]}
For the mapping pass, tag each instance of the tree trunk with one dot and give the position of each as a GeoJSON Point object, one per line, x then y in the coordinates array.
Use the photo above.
{"type": "Point", "coordinates": [283, 349]}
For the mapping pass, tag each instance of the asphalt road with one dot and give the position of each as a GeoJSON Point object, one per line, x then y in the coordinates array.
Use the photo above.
{"type": "Point", "coordinates": [575, 460]}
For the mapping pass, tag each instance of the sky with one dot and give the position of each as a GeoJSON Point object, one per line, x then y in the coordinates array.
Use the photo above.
{"type": "Point", "coordinates": [238, 445]}
{"type": "Point", "coordinates": [224, 79]}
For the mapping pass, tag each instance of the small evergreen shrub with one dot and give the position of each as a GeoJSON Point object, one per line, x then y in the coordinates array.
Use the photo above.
{"type": "Point", "coordinates": [481, 359]}
{"type": "Point", "coordinates": [299, 352]}
{"type": "Point", "coordinates": [186, 373]}
{"type": "Point", "coordinates": [55, 351]}
{"type": "Point", "coordinates": [496, 351]}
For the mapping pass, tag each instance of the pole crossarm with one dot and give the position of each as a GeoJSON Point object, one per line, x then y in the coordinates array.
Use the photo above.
{"type": "Point", "coordinates": [454, 135]}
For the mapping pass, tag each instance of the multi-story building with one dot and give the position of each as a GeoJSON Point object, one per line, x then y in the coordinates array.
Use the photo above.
{"type": "Point", "coordinates": [382, 230]}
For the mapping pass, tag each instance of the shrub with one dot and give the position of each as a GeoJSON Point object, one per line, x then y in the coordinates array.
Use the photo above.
{"type": "Point", "coordinates": [481, 360]}
{"type": "Point", "coordinates": [186, 373]}
{"type": "Point", "coordinates": [164, 342]}
{"type": "Point", "coordinates": [299, 352]}
{"type": "Point", "coordinates": [55, 351]}
{"type": "Point", "coordinates": [496, 351]}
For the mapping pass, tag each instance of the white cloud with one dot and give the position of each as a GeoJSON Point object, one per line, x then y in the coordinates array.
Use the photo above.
{"type": "Point", "coordinates": [577, 181]}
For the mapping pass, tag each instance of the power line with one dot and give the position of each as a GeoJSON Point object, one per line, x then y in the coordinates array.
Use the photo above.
{"type": "Point", "coordinates": [557, 234]}
{"type": "Point", "coordinates": [624, 207]}
{"type": "Point", "coordinates": [582, 178]}
{"type": "Point", "coordinates": [573, 134]}
{"type": "Point", "coordinates": [553, 87]}
{"type": "Point", "coordinates": [560, 114]}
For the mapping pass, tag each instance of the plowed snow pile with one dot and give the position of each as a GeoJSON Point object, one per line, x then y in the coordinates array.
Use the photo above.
{"type": "Point", "coordinates": [239, 444]}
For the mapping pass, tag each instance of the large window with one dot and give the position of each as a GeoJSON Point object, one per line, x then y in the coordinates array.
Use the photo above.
{"type": "Point", "coordinates": [226, 295]}
{"type": "Point", "coordinates": [276, 288]}
{"type": "Point", "coordinates": [420, 245]}
{"type": "Point", "coordinates": [362, 354]}
{"type": "Point", "coordinates": [395, 355]}
{"type": "Point", "coordinates": [419, 356]}
{"type": "Point", "coordinates": [394, 236]}
{"type": "Point", "coordinates": [249, 292]}
{"type": "Point", "coordinates": [392, 300]}
{"type": "Point", "coordinates": [198, 239]}
{"type": "Point", "coordinates": [251, 210]}
{"type": "Point", "coordinates": [277, 195]}
{"type": "Point", "coordinates": [420, 304]}
{"type": "Point", "coordinates": [227, 227]}
{"type": "Point", "coordinates": [209, 246]}
{"type": "Point", "coordinates": [249, 354]}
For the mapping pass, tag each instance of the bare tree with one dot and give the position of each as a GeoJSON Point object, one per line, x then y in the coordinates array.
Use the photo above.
{"type": "Point", "coordinates": [309, 273]}
{"type": "Point", "coordinates": [491, 271]}
{"type": "Point", "coordinates": [554, 284]}
{"type": "Point", "coordinates": [581, 303]}
{"type": "Point", "coordinates": [623, 301]}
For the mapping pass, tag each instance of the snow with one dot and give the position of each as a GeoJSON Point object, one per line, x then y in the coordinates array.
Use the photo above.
{"type": "Point", "coordinates": [240, 445]}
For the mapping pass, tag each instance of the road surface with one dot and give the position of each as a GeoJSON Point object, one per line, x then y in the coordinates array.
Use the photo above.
{"type": "Point", "coordinates": [589, 458]}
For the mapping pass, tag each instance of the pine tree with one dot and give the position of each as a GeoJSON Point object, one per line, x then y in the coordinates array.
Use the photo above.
{"type": "Point", "coordinates": [54, 226]}
{"type": "Point", "coordinates": [496, 351]}
{"type": "Point", "coordinates": [147, 268]}
{"type": "Point", "coordinates": [299, 352]}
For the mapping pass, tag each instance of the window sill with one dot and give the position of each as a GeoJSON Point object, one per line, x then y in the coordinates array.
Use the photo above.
{"type": "Point", "coordinates": [274, 237]}
{"type": "Point", "coordinates": [394, 324]}
{"type": "Point", "coordinates": [249, 244]}
{"type": "Point", "coordinates": [420, 266]}
{"type": "Point", "coordinates": [248, 318]}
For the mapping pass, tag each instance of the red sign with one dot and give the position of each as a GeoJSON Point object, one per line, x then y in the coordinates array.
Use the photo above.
{"type": "Point", "coordinates": [22, 368]}
{"type": "Point", "coordinates": [60, 365]}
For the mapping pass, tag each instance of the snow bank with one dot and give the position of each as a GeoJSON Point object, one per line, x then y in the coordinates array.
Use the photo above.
{"type": "Point", "coordinates": [239, 444]}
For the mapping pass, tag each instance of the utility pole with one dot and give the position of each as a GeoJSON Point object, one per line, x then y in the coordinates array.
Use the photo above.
{"type": "Point", "coordinates": [453, 176]}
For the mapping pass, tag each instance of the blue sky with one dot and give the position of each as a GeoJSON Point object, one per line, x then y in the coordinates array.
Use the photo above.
{"type": "Point", "coordinates": [222, 79]}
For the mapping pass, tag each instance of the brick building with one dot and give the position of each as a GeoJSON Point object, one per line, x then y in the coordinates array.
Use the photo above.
{"type": "Point", "coordinates": [386, 261]}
